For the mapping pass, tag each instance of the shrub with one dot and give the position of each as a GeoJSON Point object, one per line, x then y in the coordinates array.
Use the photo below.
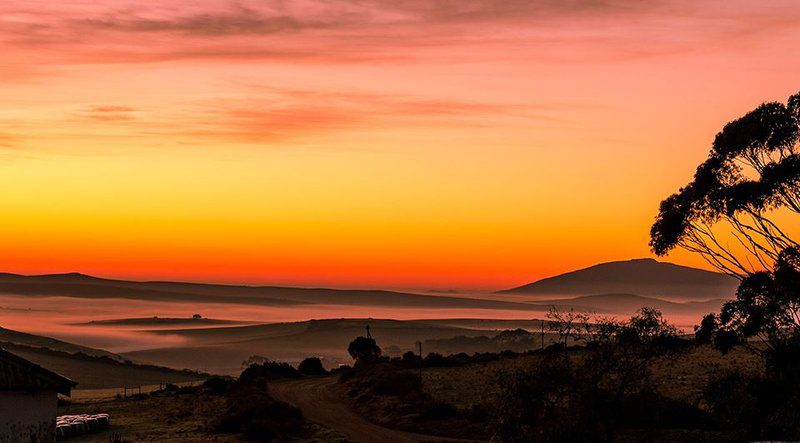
{"type": "Point", "coordinates": [753, 407]}
{"type": "Point", "coordinates": [218, 385]}
{"type": "Point", "coordinates": [311, 366]}
{"type": "Point", "coordinates": [364, 350]}
{"type": "Point", "coordinates": [254, 413]}
{"type": "Point", "coordinates": [251, 411]}
{"type": "Point", "coordinates": [270, 370]}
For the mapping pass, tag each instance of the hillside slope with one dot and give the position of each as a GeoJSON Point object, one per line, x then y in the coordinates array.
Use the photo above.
{"type": "Point", "coordinates": [100, 372]}
{"type": "Point", "coordinates": [645, 277]}
{"type": "Point", "coordinates": [9, 336]}
{"type": "Point", "coordinates": [84, 286]}
{"type": "Point", "coordinates": [222, 350]}
{"type": "Point", "coordinates": [91, 368]}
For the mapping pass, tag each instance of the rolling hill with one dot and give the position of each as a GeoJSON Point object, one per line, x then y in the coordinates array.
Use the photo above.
{"type": "Point", "coordinates": [84, 286]}
{"type": "Point", "coordinates": [161, 322]}
{"type": "Point", "coordinates": [221, 350]}
{"type": "Point", "coordinates": [11, 337]}
{"type": "Point", "coordinates": [91, 368]}
{"type": "Point", "coordinates": [643, 277]}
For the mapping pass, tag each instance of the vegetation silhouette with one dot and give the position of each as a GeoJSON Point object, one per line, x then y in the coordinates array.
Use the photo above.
{"type": "Point", "coordinates": [311, 366]}
{"type": "Point", "coordinates": [251, 410]}
{"type": "Point", "coordinates": [748, 186]}
{"type": "Point", "coordinates": [364, 350]}
{"type": "Point", "coordinates": [592, 394]}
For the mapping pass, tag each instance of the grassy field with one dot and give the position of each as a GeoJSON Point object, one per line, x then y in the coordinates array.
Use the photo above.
{"type": "Point", "coordinates": [91, 395]}
{"type": "Point", "coordinates": [680, 377]}
{"type": "Point", "coordinates": [153, 418]}
{"type": "Point", "coordinates": [177, 416]}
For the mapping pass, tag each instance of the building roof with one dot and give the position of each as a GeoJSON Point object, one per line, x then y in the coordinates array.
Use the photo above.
{"type": "Point", "coordinates": [18, 374]}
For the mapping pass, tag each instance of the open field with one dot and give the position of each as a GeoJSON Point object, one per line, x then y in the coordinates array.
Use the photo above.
{"type": "Point", "coordinates": [173, 418]}
{"type": "Point", "coordinates": [98, 394]}
{"type": "Point", "coordinates": [680, 377]}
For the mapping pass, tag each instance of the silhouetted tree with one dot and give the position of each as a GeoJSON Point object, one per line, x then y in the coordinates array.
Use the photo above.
{"type": "Point", "coordinates": [254, 360]}
{"type": "Point", "coordinates": [569, 325]}
{"type": "Point", "coordinates": [311, 366]}
{"type": "Point", "coordinates": [751, 177]}
{"type": "Point", "coordinates": [364, 350]}
{"type": "Point", "coordinates": [647, 325]}
{"type": "Point", "coordinates": [704, 333]}
{"type": "Point", "coordinates": [753, 168]}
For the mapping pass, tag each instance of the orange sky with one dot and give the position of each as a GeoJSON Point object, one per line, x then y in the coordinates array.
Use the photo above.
{"type": "Point", "coordinates": [405, 144]}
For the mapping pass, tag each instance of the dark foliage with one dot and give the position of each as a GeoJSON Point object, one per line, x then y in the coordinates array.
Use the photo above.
{"type": "Point", "coordinates": [764, 140]}
{"type": "Point", "coordinates": [753, 407]}
{"type": "Point", "coordinates": [704, 333]}
{"type": "Point", "coordinates": [752, 172]}
{"type": "Point", "coordinates": [364, 350]}
{"type": "Point", "coordinates": [396, 395]}
{"type": "Point", "coordinates": [311, 366]}
{"type": "Point", "coordinates": [251, 411]}
{"type": "Point", "coordinates": [593, 393]}
{"type": "Point", "coordinates": [270, 370]}
{"type": "Point", "coordinates": [218, 385]}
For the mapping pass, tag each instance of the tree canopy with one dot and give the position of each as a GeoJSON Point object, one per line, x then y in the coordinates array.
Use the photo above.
{"type": "Point", "coordinates": [753, 168]}
{"type": "Point", "coordinates": [751, 175]}
{"type": "Point", "coordinates": [364, 350]}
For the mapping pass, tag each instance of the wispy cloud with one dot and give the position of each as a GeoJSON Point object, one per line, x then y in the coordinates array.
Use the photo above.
{"type": "Point", "coordinates": [344, 31]}
{"type": "Point", "coordinates": [239, 21]}
{"type": "Point", "coordinates": [293, 114]}
{"type": "Point", "coordinates": [110, 113]}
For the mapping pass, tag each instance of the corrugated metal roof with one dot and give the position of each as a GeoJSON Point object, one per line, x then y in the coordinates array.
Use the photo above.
{"type": "Point", "coordinates": [18, 374]}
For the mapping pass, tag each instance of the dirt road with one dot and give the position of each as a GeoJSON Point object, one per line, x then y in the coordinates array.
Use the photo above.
{"type": "Point", "coordinates": [323, 404]}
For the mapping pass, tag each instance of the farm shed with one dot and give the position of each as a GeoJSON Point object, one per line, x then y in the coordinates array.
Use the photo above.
{"type": "Point", "coordinates": [28, 400]}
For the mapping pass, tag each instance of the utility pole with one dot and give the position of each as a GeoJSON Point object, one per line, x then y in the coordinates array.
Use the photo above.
{"type": "Point", "coordinates": [542, 334]}
{"type": "Point", "coordinates": [368, 335]}
{"type": "Point", "coordinates": [419, 346]}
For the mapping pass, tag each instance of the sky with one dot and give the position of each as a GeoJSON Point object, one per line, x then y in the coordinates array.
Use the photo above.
{"type": "Point", "coordinates": [415, 144]}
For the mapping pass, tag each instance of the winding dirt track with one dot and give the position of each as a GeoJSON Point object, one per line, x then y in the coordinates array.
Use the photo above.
{"type": "Point", "coordinates": [322, 403]}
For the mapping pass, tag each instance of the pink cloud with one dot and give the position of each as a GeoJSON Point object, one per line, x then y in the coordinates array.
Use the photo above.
{"type": "Point", "coordinates": [110, 113]}
{"type": "Point", "coordinates": [300, 114]}
{"type": "Point", "coordinates": [341, 31]}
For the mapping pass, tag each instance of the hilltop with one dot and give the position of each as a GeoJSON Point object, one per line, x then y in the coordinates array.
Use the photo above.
{"type": "Point", "coordinates": [643, 277]}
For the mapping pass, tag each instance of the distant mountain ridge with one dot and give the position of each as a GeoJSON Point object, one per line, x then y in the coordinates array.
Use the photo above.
{"type": "Point", "coordinates": [88, 287]}
{"type": "Point", "coordinates": [644, 277]}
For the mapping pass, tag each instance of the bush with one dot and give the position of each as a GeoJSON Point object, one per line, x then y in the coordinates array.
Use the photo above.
{"type": "Point", "coordinates": [251, 411]}
{"type": "Point", "coordinates": [594, 393]}
{"type": "Point", "coordinates": [410, 360]}
{"type": "Point", "coordinates": [364, 350]}
{"type": "Point", "coordinates": [311, 366]}
{"type": "Point", "coordinates": [218, 385]}
{"type": "Point", "coordinates": [255, 414]}
{"type": "Point", "coordinates": [753, 407]}
{"type": "Point", "coordinates": [270, 370]}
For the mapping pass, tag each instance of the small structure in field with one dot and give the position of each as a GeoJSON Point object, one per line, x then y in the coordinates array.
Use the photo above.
{"type": "Point", "coordinates": [28, 399]}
